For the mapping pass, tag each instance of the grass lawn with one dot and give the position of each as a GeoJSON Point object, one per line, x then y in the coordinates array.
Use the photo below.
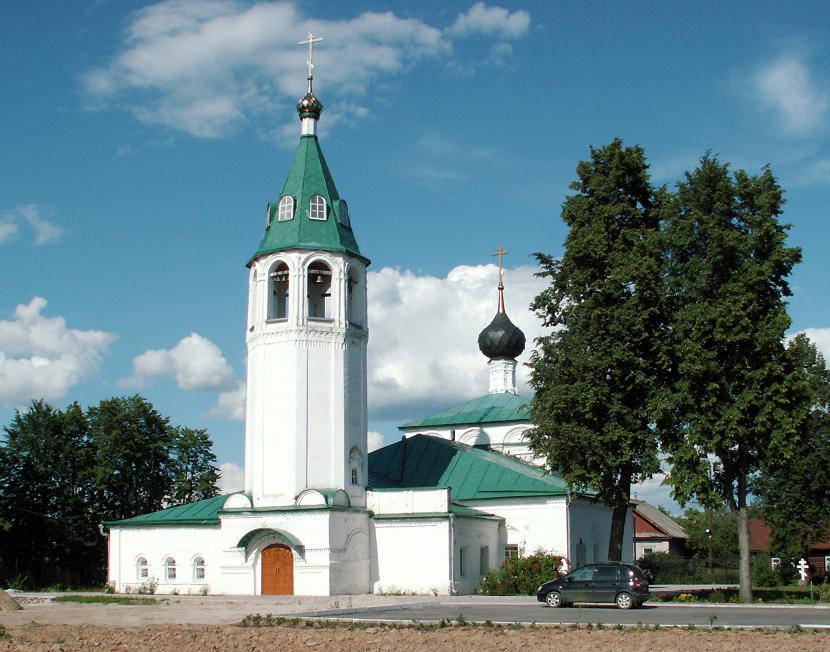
{"type": "Point", "coordinates": [106, 599]}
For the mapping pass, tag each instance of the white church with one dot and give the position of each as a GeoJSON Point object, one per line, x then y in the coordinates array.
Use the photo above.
{"type": "Point", "coordinates": [320, 515]}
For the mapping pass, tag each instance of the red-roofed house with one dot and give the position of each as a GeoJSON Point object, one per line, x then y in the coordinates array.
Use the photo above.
{"type": "Point", "coordinates": [818, 557]}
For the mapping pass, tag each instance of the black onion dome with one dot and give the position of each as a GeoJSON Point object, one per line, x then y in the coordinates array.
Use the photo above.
{"type": "Point", "coordinates": [501, 339]}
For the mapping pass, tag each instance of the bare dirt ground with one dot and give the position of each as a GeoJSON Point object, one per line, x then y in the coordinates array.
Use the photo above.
{"type": "Point", "coordinates": [192, 638]}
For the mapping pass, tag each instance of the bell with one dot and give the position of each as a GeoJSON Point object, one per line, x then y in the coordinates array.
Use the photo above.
{"type": "Point", "coordinates": [319, 279]}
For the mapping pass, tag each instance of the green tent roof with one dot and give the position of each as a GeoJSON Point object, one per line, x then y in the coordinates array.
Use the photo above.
{"type": "Point", "coordinates": [491, 408]}
{"type": "Point", "coordinates": [472, 473]}
{"type": "Point", "coordinates": [308, 176]}
{"type": "Point", "coordinates": [202, 512]}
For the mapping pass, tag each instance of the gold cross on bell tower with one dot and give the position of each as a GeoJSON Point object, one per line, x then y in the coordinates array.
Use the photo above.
{"type": "Point", "coordinates": [501, 252]}
{"type": "Point", "coordinates": [310, 41]}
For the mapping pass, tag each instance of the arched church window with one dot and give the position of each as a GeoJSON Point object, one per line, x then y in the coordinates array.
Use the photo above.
{"type": "Point", "coordinates": [344, 213]}
{"type": "Point", "coordinates": [317, 208]}
{"type": "Point", "coordinates": [355, 477]}
{"type": "Point", "coordinates": [278, 292]}
{"type": "Point", "coordinates": [199, 569]}
{"type": "Point", "coordinates": [142, 569]}
{"type": "Point", "coordinates": [319, 291]}
{"type": "Point", "coordinates": [286, 211]}
{"type": "Point", "coordinates": [170, 569]}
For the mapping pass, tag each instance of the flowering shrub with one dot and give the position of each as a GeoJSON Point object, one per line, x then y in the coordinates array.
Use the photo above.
{"type": "Point", "coordinates": [522, 575]}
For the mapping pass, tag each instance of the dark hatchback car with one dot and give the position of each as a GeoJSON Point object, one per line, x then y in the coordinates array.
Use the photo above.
{"type": "Point", "coordinates": [610, 582]}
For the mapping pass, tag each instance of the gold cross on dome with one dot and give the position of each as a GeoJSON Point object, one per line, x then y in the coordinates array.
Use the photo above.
{"type": "Point", "coordinates": [310, 41]}
{"type": "Point", "coordinates": [500, 252]}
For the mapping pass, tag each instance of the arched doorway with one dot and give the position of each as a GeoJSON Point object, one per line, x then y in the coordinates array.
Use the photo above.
{"type": "Point", "coordinates": [277, 564]}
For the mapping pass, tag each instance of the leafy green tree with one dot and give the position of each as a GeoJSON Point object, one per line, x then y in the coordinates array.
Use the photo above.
{"type": "Point", "coordinates": [726, 409]}
{"type": "Point", "coordinates": [45, 492]}
{"type": "Point", "coordinates": [723, 529]}
{"type": "Point", "coordinates": [195, 473]}
{"type": "Point", "coordinates": [133, 470]}
{"type": "Point", "coordinates": [593, 375]}
{"type": "Point", "coordinates": [793, 489]}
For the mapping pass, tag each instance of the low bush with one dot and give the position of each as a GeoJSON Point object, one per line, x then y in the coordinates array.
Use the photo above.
{"type": "Point", "coordinates": [763, 573]}
{"type": "Point", "coordinates": [522, 575]}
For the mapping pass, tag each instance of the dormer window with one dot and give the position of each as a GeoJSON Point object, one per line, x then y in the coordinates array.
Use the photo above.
{"type": "Point", "coordinates": [317, 208]}
{"type": "Point", "coordinates": [286, 211]}
{"type": "Point", "coordinates": [268, 216]}
{"type": "Point", "coordinates": [344, 213]}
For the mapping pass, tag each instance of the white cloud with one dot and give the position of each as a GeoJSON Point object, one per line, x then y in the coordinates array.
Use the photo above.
{"type": "Point", "coordinates": [231, 404]}
{"type": "Point", "coordinates": [820, 337]}
{"type": "Point", "coordinates": [375, 440]}
{"type": "Point", "coordinates": [195, 362]}
{"type": "Point", "coordinates": [41, 358]}
{"type": "Point", "coordinates": [491, 21]}
{"type": "Point", "coordinates": [232, 478]}
{"type": "Point", "coordinates": [787, 86]}
{"type": "Point", "coordinates": [8, 229]}
{"type": "Point", "coordinates": [410, 368]}
{"type": "Point", "coordinates": [207, 67]}
{"type": "Point", "coordinates": [45, 232]}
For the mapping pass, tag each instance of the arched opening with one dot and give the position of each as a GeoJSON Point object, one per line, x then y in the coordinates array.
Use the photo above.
{"type": "Point", "coordinates": [142, 570]}
{"type": "Point", "coordinates": [199, 569]}
{"type": "Point", "coordinates": [319, 291]}
{"type": "Point", "coordinates": [278, 292]}
{"type": "Point", "coordinates": [277, 570]}
{"type": "Point", "coordinates": [354, 307]}
{"type": "Point", "coordinates": [170, 569]}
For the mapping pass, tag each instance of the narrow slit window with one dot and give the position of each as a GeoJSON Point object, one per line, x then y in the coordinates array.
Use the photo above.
{"type": "Point", "coordinates": [355, 479]}
{"type": "Point", "coordinates": [317, 208]}
{"type": "Point", "coordinates": [286, 211]}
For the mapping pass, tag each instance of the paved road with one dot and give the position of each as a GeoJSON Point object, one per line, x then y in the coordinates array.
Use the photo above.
{"type": "Point", "coordinates": [698, 615]}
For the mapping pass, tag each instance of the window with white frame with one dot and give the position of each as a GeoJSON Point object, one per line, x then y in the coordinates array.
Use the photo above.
{"type": "Point", "coordinates": [170, 569]}
{"type": "Point", "coordinates": [286, 211]}
{"type": "Point", "coordinates": [317, 208]}
{"type": "Point", "coordinates": [199, 569]}
{"type": "Point", "coordinates": [511, 550]}
{"type": "Point", "coordinates": [142, 569]}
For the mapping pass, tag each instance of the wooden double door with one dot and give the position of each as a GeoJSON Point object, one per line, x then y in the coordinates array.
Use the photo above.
{"type": "Point", "coordinates": [277, 565]}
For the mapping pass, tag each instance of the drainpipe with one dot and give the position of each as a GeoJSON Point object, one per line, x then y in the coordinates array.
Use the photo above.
{"type": "Point", "coordinates": [568, 530]}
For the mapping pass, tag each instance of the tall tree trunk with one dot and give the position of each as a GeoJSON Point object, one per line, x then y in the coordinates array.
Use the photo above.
{"type": "Point", "coordinates": [615, 542]}
{"type": "Point", "coordinates": [742, 517]}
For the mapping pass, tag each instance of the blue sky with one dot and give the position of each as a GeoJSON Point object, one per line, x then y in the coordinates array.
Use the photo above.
{"type": "Point", "coordinates": [141, 143]}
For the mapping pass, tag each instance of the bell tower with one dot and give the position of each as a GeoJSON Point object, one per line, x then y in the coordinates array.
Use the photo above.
{"type": "Point", "coordinates": [306, 419]}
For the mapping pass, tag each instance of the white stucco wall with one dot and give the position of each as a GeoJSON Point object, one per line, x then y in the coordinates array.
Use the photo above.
{"type": "Point", "coordinates": [333, 557]}
{"type": "Point", "coordinates": [505, 438]}
{"type": "Point", "coordinates": [531, 523]}
{"type": "Point", "coordinates": [590, 525]}
{"type": "Point", "coordinates": [470, 536]}
{"type": "Point", "coordinates": [652, 546]}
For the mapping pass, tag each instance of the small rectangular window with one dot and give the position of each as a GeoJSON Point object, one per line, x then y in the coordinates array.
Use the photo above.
{"type": "Point", "coordinates": [511, 550]}
{"type": "Point", "coordinates": [484, 559]}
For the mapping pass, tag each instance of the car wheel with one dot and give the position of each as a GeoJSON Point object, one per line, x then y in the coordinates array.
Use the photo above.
{"type": "Point", "coordinates": [553, 599]}
{"type": "Point", "coordinates": [624, 601]}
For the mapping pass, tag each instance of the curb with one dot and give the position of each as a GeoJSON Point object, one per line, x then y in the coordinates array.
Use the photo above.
{"type": "Point", "coordinates": [352, 611]}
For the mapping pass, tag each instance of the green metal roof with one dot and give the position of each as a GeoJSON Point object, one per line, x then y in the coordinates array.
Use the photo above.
{"type": "Point", "coordinates": [309, 175]}
{"type": "Point", "coordinates": [202, 512]}
{"type": "Point", "coordinates": [490, 408]}
{"type": "Point", "coordinates": [472, 473]}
